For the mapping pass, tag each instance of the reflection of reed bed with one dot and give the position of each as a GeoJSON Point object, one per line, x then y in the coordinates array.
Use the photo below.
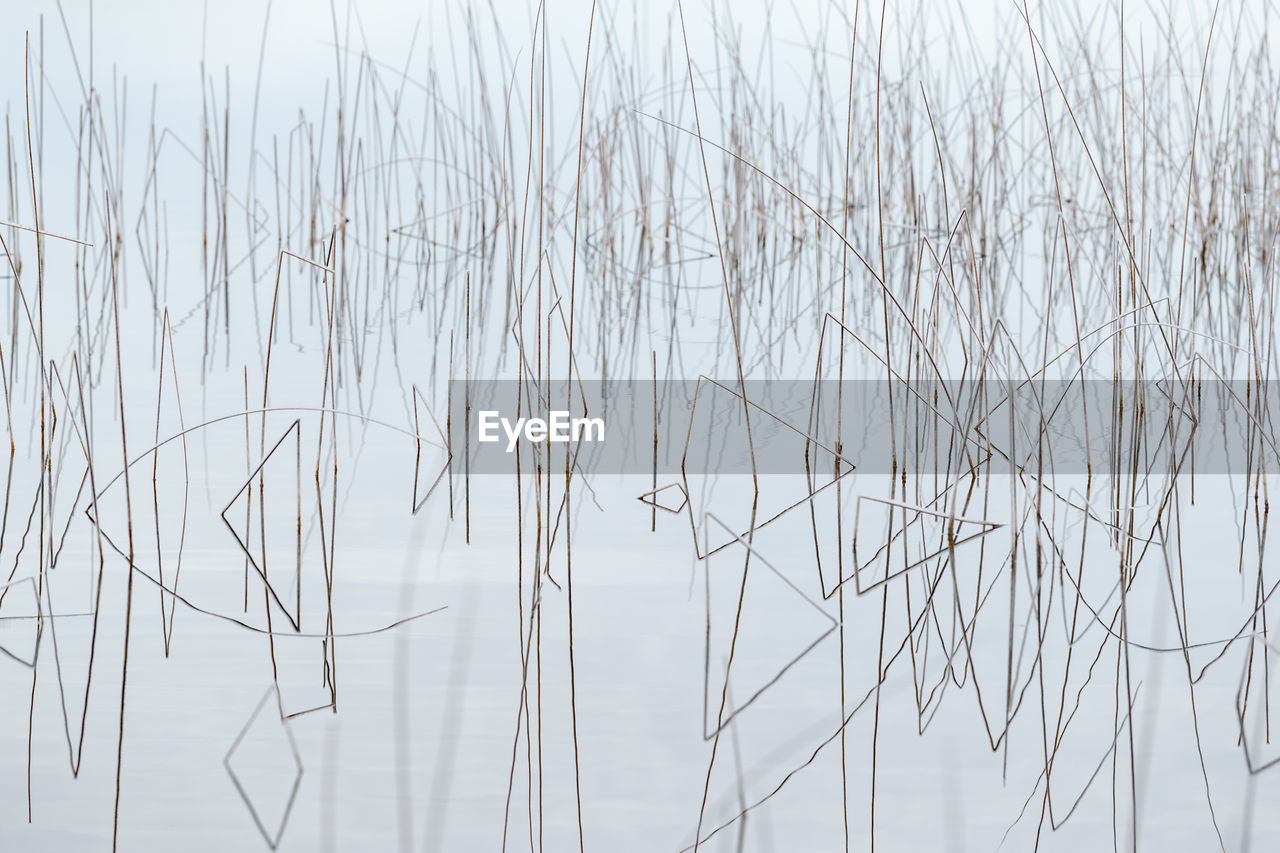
{"type": "Point", "coordinates": [1062, 240]}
